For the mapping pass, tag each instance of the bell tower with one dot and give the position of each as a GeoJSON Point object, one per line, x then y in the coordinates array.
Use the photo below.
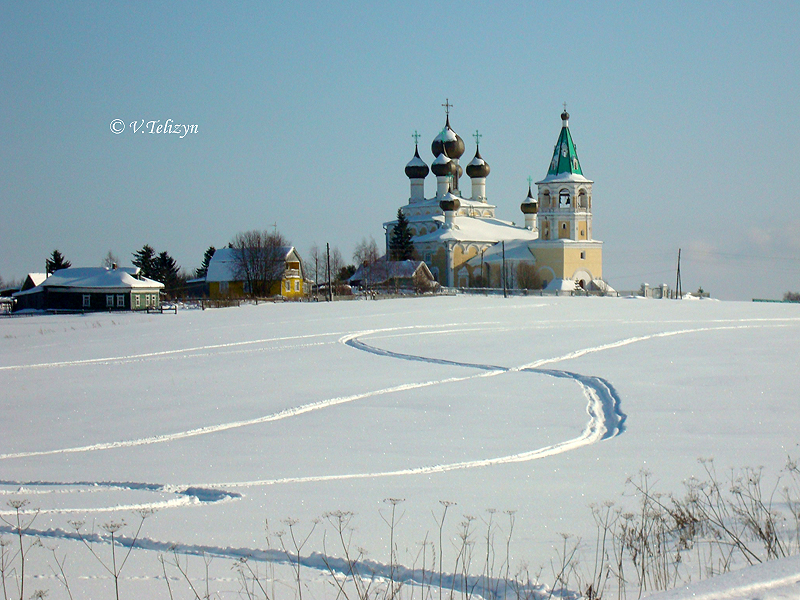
{"type": "Point", "coordinates": [565, 195]}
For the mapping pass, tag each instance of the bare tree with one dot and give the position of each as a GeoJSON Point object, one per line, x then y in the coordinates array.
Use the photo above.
{"type": "Point", "coordinates": [315, 267]}
{"type": "Point", "coordinates": [259, 260]}
{"type": "Point", "coordinates": [366, 252]}
{"type": "Point", "coordinates": [109, 260]}
{"type": "Point", "coordinates": [527, 278]}
{"type": "Point", "coordinates": [336, 263]}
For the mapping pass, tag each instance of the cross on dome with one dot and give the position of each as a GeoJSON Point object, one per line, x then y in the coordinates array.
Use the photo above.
{"type": "Point", "coordinates": [447, 106]}
{"type": "Point", "coordinates": [477, 137]}
{"type": "Point", "coordinates": [416, 136]}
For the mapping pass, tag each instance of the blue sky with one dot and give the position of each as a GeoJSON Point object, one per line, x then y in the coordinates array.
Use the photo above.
{"type": "Point", "coordinates": [685, 115]}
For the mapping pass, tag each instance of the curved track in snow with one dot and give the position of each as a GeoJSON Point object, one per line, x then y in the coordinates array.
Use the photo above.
{"type": "Point", "coordinates": [606, 418]}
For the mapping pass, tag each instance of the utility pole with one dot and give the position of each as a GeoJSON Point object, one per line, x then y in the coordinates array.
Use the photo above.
{"type": "Point", "coordinates": [505, 290]}
{"type": "Point", "coordinates": [678, 290]}
{"type": "Point", "coordinates": [328, 262]}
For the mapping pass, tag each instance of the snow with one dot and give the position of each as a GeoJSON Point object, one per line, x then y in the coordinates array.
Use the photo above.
{"type": "Point", "coordinates": [416, 161]}
{"type": "Point", "coordinates": [446, 135]}
{"type": "Point", "coordinates": [220, 419]}
{"type": "Point", "coordinates": [442, 159]}
{"type": "Point", "coordinates": [564, 177]}
{"type": "Point", "coordinates": [478, 229]}
{"type": "Point", "coordinates": [774, 580]}
{"type": "Point", "coordinates": [93, 278]}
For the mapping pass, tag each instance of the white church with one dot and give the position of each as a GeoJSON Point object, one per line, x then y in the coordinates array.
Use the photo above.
{"type": "Point", "coordinates": [465, 245]}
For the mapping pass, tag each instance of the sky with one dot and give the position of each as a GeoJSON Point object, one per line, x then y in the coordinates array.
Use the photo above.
{"type": "Point", "coordinates": [684, 115]}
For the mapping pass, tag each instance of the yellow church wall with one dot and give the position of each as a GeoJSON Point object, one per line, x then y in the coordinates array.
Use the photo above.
{"type": "Point", "coordinates": [592, 262]}
{"type": "Point", "coordinates": [582, 229]}
{"type": "Point", "coordinates": [439, 261]}
{"type": "Point", "coordinates": [565, 261]}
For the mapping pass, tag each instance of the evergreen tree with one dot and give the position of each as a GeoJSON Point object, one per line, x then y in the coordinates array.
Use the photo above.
{"type": "Point", "coordinates": [400, 245]}
{"type": "Point", "coordinates": [203, 270]}
{"type": "Point", "coordinates": [345, 273]}
{"type": "Point", "coordinates": [166, 269]}
{"type": "Point", "coordinates": [145, 260]}
{"type": "Point", "coordinates": [56, 262]}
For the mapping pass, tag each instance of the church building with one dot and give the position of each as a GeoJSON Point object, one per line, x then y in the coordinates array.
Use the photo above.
{"type": "Point", "coordinates": [464, 244]}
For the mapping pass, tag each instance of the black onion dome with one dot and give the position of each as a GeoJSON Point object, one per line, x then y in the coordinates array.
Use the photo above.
{"type": "Point", "coordinates": [444, 166]}
{"type": "Point", "coordinates": [448, 142]}
{"type": "Point", "coordinates": [529, 206]}
{"type": "Point", "coordinates": [449, 202]}
{"type": "Point", "coordinates": [477, 166]}
{"type": "Point", "coordinates": [565, 115]}
{"type": "Point", "coordinates": [416, 167]}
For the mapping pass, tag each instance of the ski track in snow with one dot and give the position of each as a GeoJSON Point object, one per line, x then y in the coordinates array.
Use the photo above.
{"type": "Point", "coordinates": [606, 419]}
{"type": "Point", "coordinates": [364, 567]}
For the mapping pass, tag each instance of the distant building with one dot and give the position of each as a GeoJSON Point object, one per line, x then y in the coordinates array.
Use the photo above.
{"type": "Point", "coordinates": [90, 289]}
{"type": "Point", "coordinates": [401, 274]}
{"type": "Point", "coordinates": [460, 239]}
{"type": "Point", "coordinates": [32, 280]}
{"type": "Point", "coordinates": [225, 281]}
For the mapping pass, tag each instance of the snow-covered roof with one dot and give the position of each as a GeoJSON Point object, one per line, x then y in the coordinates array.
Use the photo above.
{"type": "Point", "coordinates": [561, 285]}
{"type": "Point", "coordinates": [223, 267]}
{"type": "Point", "coordinates": [565, 177]}
{"type": "Point", "coordinates": [416, 161]}
{"type": "Point", "coordinates": [471, 229]}
{"type": "Point", "coordinates": [94, 279]}
{"type": "Point", "coordinates": [515, 250]}
{"type": "Point", "coordinates": [37, 278]}
{"type": "Point", "coordinates": [381, 271]}
{"type": "Point", "coordinates": [446, 134]}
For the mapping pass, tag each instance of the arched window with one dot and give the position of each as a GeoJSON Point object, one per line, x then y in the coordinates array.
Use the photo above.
{"type": "Point", "coordinates": [563, 198]}
{"type": "Point", "coordinates": [582, 199]}
{"type": "Point", "coordinates": [545, 199]}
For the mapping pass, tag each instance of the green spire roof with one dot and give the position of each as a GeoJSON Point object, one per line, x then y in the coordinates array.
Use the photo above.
{"type": "Point", "coordinates": [565, 165]}
{"type": "Point", "coordinates": [565, 158]}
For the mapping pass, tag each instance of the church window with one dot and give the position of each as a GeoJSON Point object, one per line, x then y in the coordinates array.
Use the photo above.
{"type": "Point", "coordinates": [583, 255]}
{"type": "Point", "coordinates": [563, 198]}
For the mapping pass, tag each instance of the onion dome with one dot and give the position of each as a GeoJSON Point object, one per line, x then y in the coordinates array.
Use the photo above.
{"type": "Point", "coordinates": [449, 202]}
{"type": "Point", "coordinates": [565, 115]}
{"type": "Point", "coordinates": [443, 166]}
{"type": "Point", "coordinates": [448, 142]}
{"type": "Point", "coordinates": [529, 206]}
{"type": "Point", "coordinates": [478, 167]}
{"type": "Point", "coordinates": [416, 167]}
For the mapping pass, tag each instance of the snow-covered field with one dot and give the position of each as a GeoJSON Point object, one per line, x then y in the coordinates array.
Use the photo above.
{"type": "Point", "coordinates": [224, 420]}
